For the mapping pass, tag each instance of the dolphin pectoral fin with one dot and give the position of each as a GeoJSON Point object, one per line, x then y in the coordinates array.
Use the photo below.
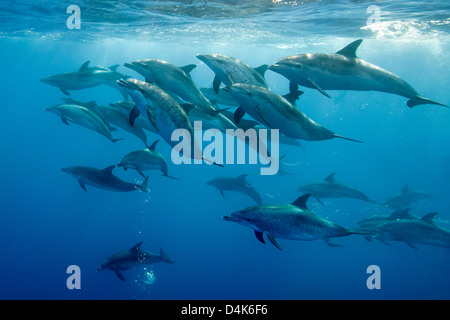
{"type": "Point", "coordinates": [82, 185]}
{"type": "Point", "coordinates": [134, 113]}
{"type": "Point", "coordinates": [317, 87]}
{"type": "Point", "coordinates": [221, 193]}
{"type": "Point", "coordinates": [64, 120]}
{"type": "Point", "coordinates": [331, 245]}
{"type": "Point", "coordinates": [216, 84]}
{"type": "Point", "coordinates": [262, 117]}
{"type": "Point", "coordinates": [141, 173]}
{"type": "Point", "coordinates": [152, 119]}
{"type": "Point", "coordinates": [420, 100]}
{"type": "Point", "coordinates": [259, 236]}
{"type": "Point", "coordinates": [65, 91]}
{"type": "Point", "coordinates": [274, 242]}
{"type": "Point", "coordinates": [411, 245]}
{"type": "Point", "coordinates": [238, 114]}
{"type": "Point", "coordinates": [120, 275]}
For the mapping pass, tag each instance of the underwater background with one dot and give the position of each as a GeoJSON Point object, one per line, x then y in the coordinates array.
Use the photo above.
{"type": "Point", "coordinates": [49, 223]}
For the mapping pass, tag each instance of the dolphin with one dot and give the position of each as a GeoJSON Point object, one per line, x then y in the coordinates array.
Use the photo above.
{"type": "Point", "coordinates": [172, 79]}
{"type": "Point", "coordinates": [344, 71]}
{"type": "Point", "coordinates": [83, 117]}
{"type": "Point", "coordinates": [103, 179]}
{"type": "Point", "coordinates": [91, 105]}
{"type": "Point", "coordinates": [211, 119]}
{"type": "Point", "coordinates": [405, 198]}
{"type": "Point", "coordinates": [230, 70]}
{"type": "Point", "coordinates": [162, 112]}
{"type": "Point", "coordinates": [273, 110]}
{"type": "Point", "coordinates": [289, 221]}
{"type": "Point", "coordinates": [373, 222]}
{"type": "Point", "coordinates": [145, 159]}
{"type": "Point", "coordinates": [133, 257]}
{"type": "Point", "coordinates": [86, 77]}
{"type": "Point", "coordinates": [119, 119]}
{"type": "Point", "coordinates": [330, 188]}
{"type": "Point", "coordinates": [414, 231]}
{"type": "Point", "coordinates": [236, 184]}
{"type": "Point", "coordinates": [223, 98]}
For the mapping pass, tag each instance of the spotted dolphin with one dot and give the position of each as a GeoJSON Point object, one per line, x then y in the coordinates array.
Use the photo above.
{"type": "Point", "coordinates": [344, 71]}
{"type": "Point", "coordinates": [236, 184]}
{"type": "Point", "coordinates": [70, 113]}
{"type": "Point", "coordinates": [173, 79]}
{"type": "Point", "coordinates": [288, 221]}
{"type": "Point", "coordinates": [229, 70]}
{"type": "Point", "coordinates": [133, 257]}
{"type": "Point", "coordinates": [103, 179]}
{"type": "Point", "coordinates": [86, 77]}
{"type": "Point", "coordinates": [276, 112]}
{"type": "Point", "coordinates": [331, 188]}
{"type": "Point", "coordinates": [405, 198]}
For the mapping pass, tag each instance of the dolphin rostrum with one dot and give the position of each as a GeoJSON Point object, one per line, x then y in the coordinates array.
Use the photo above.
{"type": "Point", "coordinates": [414, 231]}
{"type": "Point", "coordinates": [276, 112]}
{"type": "Point", "coordinates": [344, 71]}
{"type": "Point", "coordinates": [83, 117]}
{"type": "Point", "coordinates": [230, 70]}
{"type": "Point", "coordinates": [103, 179]}
{"type": "Point", "coordinates": [288, 221]}
{"type": "Point", "coordinates": [236, 184]}
{"type": "Point", "coordinates": [145, 159]}
{"type": "Point", "coordinates": [172, 79]}
{"type": "Point", "coordinates": [133, 257]}
{"type": "Point", "coordinates": [330, 188]}
{"type": "Point", "coordinates": [86, 77]}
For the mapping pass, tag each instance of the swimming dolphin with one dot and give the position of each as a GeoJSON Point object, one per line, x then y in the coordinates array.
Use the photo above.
{"type": "Point", "coordinates": [211, 119]}
{"type": "Point", "coordinates": [405, 198]}
{"type": "Point", "coordinates": [119, 119]}
{"type": "Point", "coordinates": [414, 231]}
{"type": "Point", "coordinates": [162, 112]}
{"type": "Point", "coordinates": [172, 79]}
{"type": "Point", "coordinates": [145, 159]}
{"type": "Point", "coordinates": [103, 179]}
{"type": "Point", "coordinates": [344, 71]}
{"type": "Point", "coordinates": [230, 70]}
{"type": "Point", "coordinates": [330, 188]}
{"type": "Point", "coordinates": [133, 257]}
{"type": "Point", "coordinates": [83, 117]}
{"type": "Point", "coordinates": [86, 77]}
{"type": "Point", "coordinates": [223, 98]}
{"type": "Point", "coordinates": [373, 222]}
{"type": "Point", "coordinates": [288, 221]}
{"type": "Point", "coordinates": [236, 184]}
{"type": "Point", "coordinates": [276, 112]}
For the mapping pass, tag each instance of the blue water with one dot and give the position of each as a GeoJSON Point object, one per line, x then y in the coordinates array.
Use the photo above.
{"type": "Point", "coordinates": [49, 223]}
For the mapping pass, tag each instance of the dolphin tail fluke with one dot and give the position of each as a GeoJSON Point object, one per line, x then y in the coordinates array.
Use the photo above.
{"type": "Point", "coordinates": [165, 257]}
{"type": "Point", "coordinates": [345, 138]}
{"type": "Point", "coordinates": [419, 100]}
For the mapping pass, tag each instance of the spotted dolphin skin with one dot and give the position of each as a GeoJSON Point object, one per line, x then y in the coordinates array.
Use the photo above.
{"type": "Point", "coordinates": [344, 71]}
{"type": "Point", "coordinates": [288, 221]}
{"type": "Point", "coordinates": [103, 179]}
{"type": "Point", "coordinates": [229, 70]}
{"type": "Point", "coordinates": [236, 184]}
{"type": "Point", "coordinates": [133, 257]}
{"type": "Point", "coordinates": [86, 77]}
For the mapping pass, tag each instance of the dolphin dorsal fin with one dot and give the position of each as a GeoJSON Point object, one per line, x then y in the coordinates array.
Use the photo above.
{"type": "Point", "coordinates": [84, 66]}
{"type": "Point", "coordinates": [428, 218]}
{"type": "Point", "coordinates": [187, 107]}
{"type": "Point", "coordinates": [109, 169]}
{"type": "Point", "coordinates": [350, 50]}
{"type": "Point", "coordinates": [262, 69]}
{"type": "Point", "coordinates": [330, 178]}
{"type": "Point", "coordinates": [241, 178]}
{"type": "Point", "coordinates": [400, 214]}
{"type": "Point", "coordinates": [187, 69]}
{"type": "Point", "coordinates": [301, 201]}
{"type": "Point", "coordinates": [405, 189]}
{"type": "Point", "coordinates": [114, 67]}
{"type": "Point", "coordinates": [152, 147]}
{"type": "Point", "coordinates": [136, 247]}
